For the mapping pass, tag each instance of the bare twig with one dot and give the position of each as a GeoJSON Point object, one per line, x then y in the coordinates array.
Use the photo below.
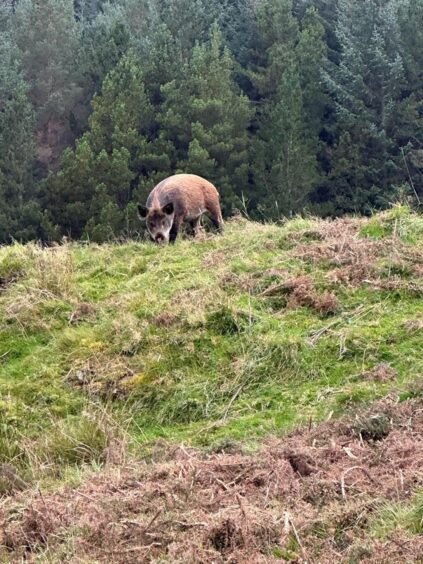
{"type": "Point", "coordinates": [289, 522]}
{"type": "Point", "coordinates": [409, 176]}
{"type": "Point", "coordinates": [148, 527]}
{"type": "Point", "coordinates": [347, 471]}
{"type": "Point", "coordinates": [233, 398]}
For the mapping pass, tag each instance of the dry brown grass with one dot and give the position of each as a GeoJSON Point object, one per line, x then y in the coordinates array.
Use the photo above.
{"type": "Point", "coordinates": [353, 260]}
{"type": "Point", "coordinates": [308, 497]}
{"type": "Point", "coordinates": [165, 319]}
{"type": "Point", "coordinates": [414, 325]}
{"type": "Point", "coordinates": [383, 372]}
{"type": "Point", "coordinates": [191, 304]}
{"type": "Point", "coordinates": [48, 281]}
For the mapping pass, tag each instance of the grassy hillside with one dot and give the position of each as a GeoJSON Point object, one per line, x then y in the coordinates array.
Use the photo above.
{"type": "Point", "coordinates": [219, 340]}
{"type": "Point", "coordinates": [108, 352]}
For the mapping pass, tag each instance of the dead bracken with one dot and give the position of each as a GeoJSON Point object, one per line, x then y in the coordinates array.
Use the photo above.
{"type": "Point", "coordinates": [353, 260]}
{"type": "Point", "coordinates": [310, 495]}
{"type": "Point", "coordinates": [300, 292]}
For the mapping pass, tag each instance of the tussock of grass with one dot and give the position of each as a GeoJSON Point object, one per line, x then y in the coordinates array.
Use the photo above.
{"type": "Point", "coordinates": [210, 340]}
{"type": "Point", "coordinates": [407, 515]}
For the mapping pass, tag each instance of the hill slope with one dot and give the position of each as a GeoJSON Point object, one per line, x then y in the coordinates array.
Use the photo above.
{"type": "Point", "coordinates": [216, 342]}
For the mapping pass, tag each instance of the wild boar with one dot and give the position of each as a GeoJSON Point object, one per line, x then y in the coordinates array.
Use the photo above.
{"type": "Point", "coordinates": [177, 199]}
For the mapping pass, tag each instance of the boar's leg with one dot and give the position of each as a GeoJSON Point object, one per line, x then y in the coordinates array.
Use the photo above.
{"type": "Point", "coordinates": [216, 217]}
{"type": "Point", "coordinates": [195, 226]}
{"type": "Point", "coordinates": [174, 229]}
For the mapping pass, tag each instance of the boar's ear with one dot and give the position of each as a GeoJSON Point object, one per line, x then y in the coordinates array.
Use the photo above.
{"type": "Point", "coordinates": [168, 209]}
{"type": "Point", "coordinates": [142, 211]}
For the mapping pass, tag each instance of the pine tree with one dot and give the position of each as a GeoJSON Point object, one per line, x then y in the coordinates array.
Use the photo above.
{"type": "Point", "coordinates": [47, 36]}
{"type": "Point", "coordinates": [93, 191]}
{"type": "Point", "coordinates": [237, 22]}
{"type": "Point", "coordinates": [285, 147]}
{"type": "Point", "coordinates": [207, 119]}
{"type": "Point", "coordinates": [88, 10]}
{"type": "Point", "coordinates": [411, 128]}
{"type": "Point", "coordinates": [285, 164]}
{"type": "Point", "coordinates": [367, 89]}
{"type": "Point", "coordinates": [20, 215]}
{"type": "Point", "coordinates": [187, 20]}
{"type": "Point", "coordinates": [311, 53]}
{"type": "Point", "coordinates": [103, 42]}
{"type": "Point", "coordinates": [162, 62]}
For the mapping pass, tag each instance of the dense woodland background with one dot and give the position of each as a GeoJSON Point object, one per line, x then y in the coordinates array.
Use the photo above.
{"type": "Point", "coordinates": [287, 105]}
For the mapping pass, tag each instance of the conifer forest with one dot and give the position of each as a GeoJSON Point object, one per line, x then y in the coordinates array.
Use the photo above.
{"type": "Point", "coordinates": [287, 106]}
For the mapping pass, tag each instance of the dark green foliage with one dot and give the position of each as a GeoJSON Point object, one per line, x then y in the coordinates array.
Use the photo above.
{"type": "Point", "coordinates": [372, 104]}
{"type": "Point", "coordinates": [19, 212]}
{"type": "Point", "coordinates": [286, 76]}
{"type": "Point", "coordinates": [207, 117]}
{"type": "Point", "coordinates": [286, 105]}
{"type": "Point", "coordinates": [91, 193]}
{"type": "Point", "coordinates": [103, 44]}
{"type": "Point", "coordinates": [47, 36]}
{"type": "Point", "coordinates": [237, 21]}
{"type": "Point", "coordinates": [87, 10]}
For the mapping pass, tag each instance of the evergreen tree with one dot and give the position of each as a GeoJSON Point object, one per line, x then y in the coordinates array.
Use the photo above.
{"type": "Point", "coordinates": [285, 163]}
{"type": "Point", "coordinates": [411, 133]}
{"type": "Point", "coordinates": [237, 22]}
{"type": "Point", "coordinates": [140, 18]}
{"type": "Point", "coordinates": [367, 89]}
{"type": "Point", "coordinates": [292, 103]}
{"type": "Point", "coordinates": [88, 10]}
{"type": "Point", "coordinates": [92, 193]}
{"type": "Point", "coordinates": [187, 20]}
{"type": "Point", "coordinates": [47, 36]}
{"type": "Point", "coordinates": [207, 118]}
{"type": "Point", "coordinates": [311, 53]}
{"type": "Point", "coordinates": [103, 42]}
{"type": "Point", "coordinates": [285, 147]}
{"type": "Point", "coordinates": [20, 214]}
{"type": "Point", "coordinates": [162, 62]}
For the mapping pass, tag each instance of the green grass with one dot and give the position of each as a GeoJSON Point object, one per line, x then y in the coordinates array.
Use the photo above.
{"type": "Point", "coordinates": [179, 342]}
{"type": "Point", "coordinates": [407, 515]}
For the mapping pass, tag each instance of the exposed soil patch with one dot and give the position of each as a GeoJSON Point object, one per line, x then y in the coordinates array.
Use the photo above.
{"type": "Point", "coordinates": [306, 498]}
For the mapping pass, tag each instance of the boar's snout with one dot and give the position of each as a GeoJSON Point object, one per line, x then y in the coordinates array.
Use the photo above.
{"type": "Point", "coordinates": [160, 238]}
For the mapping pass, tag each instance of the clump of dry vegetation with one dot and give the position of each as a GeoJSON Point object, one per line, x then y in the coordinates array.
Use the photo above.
{"type": "Point", "coordinates": [319, 494]}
